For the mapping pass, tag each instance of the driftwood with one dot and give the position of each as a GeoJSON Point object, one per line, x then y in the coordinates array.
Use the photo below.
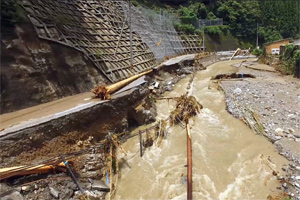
{"type": "Point", "coordinates": [186, 107]}
{"type": "Point", "coordinates": [104, 92]}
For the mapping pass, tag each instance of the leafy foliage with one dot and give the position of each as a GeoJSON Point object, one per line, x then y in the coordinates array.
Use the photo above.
{"type": "Point", "coordinates": [257, 52]}
{"type": "Point", "coordinates": [290, 59]}
{"type": "Point", "coordinates": [215, 30]}
{"type": "Point", "coordinates": [186, 28]}
{"type": "Point", "coordinates": [281, 16]}
{"type": "Point", "coordinates": [11, 12]}
{"type": "Point", "coordinates": [276, 19]}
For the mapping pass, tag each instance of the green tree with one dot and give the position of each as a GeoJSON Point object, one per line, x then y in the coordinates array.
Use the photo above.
{"type": "Point", "coordinates": [211, 15]}
{"type": "Point", "coordinates": [282, 16]}
{"type": "Point", "coordinates": [241, 17]}
{"type": "Point", "coordinates": [11, 12]}
{"type": "Point", "coordinates": [202, 12]}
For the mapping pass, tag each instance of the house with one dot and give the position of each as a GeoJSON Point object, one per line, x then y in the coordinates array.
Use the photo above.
{"type": "Point", "coordinates": [274, 47]}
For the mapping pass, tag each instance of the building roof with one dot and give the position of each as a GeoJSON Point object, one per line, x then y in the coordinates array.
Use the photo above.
{"type": "Point", "coordinates": [268, 43]}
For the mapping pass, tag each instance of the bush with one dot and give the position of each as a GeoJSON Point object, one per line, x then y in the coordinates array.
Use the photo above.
{"type": "Point", "coordinates": [135, 3]}
{"type": "Point", "coordinates": [186, 28]}
{"type": "Point", "coordinates": [11, 12]}
{"type": "Point", "coordinates": [290, 59]}
{"type": "Point", "coordinates": [257, 52]}
{"type": "Point", "coordinates": [216, 30]}
{"type": "Point", "coordinates": [212, 30]}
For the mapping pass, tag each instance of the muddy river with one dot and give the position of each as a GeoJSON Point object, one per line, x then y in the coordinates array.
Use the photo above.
{"type": "Point", "coordinates": [229, 160]}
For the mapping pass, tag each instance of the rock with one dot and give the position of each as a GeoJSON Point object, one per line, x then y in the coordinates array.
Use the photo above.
{"type": "Point", "coordinates": [186, 71]}
{"type": "Point", "coordinates": [100, 186]}
{"type": "Point", "coordinates": [297, 185]}
{"type": "Point", "coordinates": [54, 192]}
{"type": "Point", "coordinates": [291, 130]}
{"type": "Point", "coordinates": [4, 188]}
{"type": "Point", "coordinates": [26, 188]}
{"type": "Point", "coordinates": [94, 195]}
{"type": "Point", "coordinates": [297, 135]}
{"type": "Point", "coordinates": [277, 138]}
{"type": "Point", "coordinates": [297, 177]}
{"type": "Point", "coordinates": [156, 85]}
{"type": "Point", "coordinates": [90, 174]}
{"type": "Point", "coordinates": [14, 195]}
{"type": "Point", "coordinates": [237, 91]}
{"type": "Point", "coordinates": [182, 76]}
{"type": "Point", "coordinates": [280, 178]}
{"type": "Point", "coordinates": [292, 194]}
{"type": "Point", "coordinates": [284, 185]}
{"type": "Point", "coordinates": [168, 88]}
{"type": "Point", "coordinates": [279, 131]}
{"type": "Point", "coordinates": [292, 116]}
{"type": "Point", "coordinates": [66, 193]}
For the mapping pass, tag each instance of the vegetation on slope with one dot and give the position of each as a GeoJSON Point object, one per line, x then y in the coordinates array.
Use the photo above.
{"type": "Point", "coordinates": [275, 19]}
{"type": "Point", "coordinates": [11, 13]}
{"type": "Point", "coordinates": [290, 60]}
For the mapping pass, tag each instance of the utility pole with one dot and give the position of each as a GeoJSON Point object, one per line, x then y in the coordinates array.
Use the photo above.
{"type": "Point", "coordinates": [130, 24]}
{"type": "Point", "coordinates": [256, 34]}
{"type": "Point", "coordinates": [203, 45]}
{"type": "Point", "coordinates": [189, 162]}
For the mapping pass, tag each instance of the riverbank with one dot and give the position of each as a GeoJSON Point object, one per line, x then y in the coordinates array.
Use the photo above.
{"type": "Point", "coordinates": [270, 103]}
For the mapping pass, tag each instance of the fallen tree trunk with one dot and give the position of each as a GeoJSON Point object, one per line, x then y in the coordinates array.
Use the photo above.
{"type": "Point", "coordinates": [23, 170]}
{"type": "Point", "coordinates": [104, 92]}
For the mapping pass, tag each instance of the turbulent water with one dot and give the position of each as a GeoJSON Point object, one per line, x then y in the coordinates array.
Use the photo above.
{"type": "Point", "coordinates": [229, 160]}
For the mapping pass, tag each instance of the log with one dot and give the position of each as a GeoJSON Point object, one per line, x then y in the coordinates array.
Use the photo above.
{"type": "Point", "coordinates": [104, 92]}
{"type": "Point", "coordinates": [22, 170]}
{"type": "Point", "coordinates": [235, 53]}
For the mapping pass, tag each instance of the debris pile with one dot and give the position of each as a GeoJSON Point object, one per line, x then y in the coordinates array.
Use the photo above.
{"type": "Point", "coordinates": [232, 75]}
{"type": "Point", "coordinates": [186, 107]}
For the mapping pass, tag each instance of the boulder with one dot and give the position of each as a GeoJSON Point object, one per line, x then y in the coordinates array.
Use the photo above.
{"type": "Point", "coordinates": [279, 132]}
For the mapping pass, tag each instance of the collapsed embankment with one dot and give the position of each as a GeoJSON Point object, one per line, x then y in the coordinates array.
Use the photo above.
{"type": "Point", "coordinates": [85, 128]}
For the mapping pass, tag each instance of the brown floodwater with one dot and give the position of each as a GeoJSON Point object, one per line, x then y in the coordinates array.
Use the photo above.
{"type": "Point", "coordinates": [229, 160]}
